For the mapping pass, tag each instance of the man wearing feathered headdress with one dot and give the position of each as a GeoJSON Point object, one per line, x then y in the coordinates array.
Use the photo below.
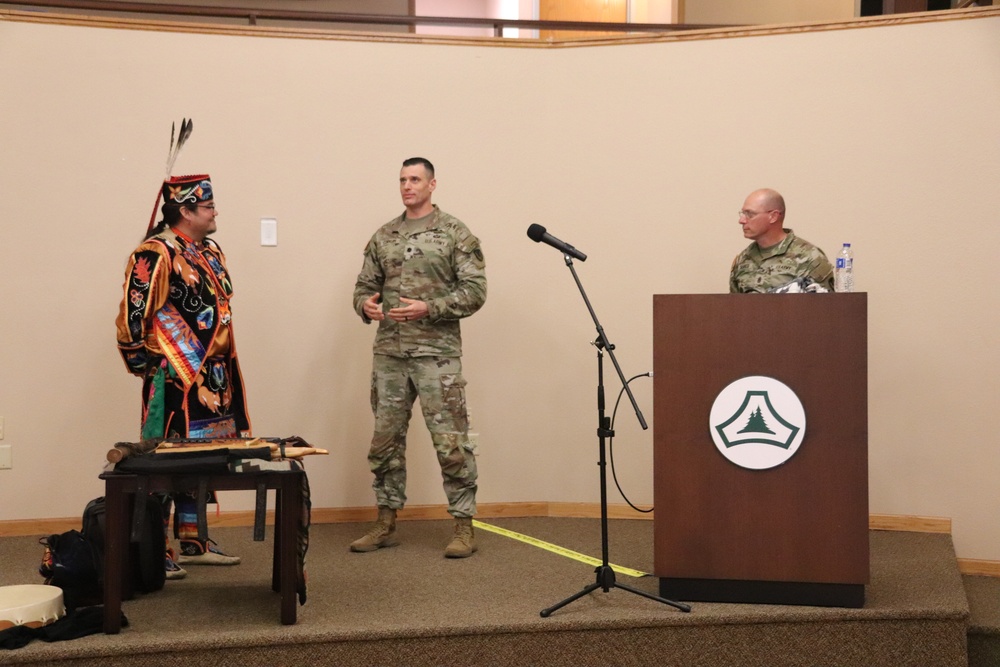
{"type": "Point", "coordinates": [175, 332]}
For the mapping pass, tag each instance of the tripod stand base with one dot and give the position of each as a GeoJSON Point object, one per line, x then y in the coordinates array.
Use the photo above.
{"type": "Point", "coordinates": [606, 581]}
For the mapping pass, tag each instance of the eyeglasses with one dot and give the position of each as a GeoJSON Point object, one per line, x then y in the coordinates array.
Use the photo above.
{"type": "Point", "coordinates": [746, 213]}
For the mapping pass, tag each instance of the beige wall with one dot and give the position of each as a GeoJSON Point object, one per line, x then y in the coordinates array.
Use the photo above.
{"type": "Point", "coordinates": [654, 11]}
{"type": "Point", "coordinates": [639, 155]}
{"type": "Point", "coordinates": [738, 12]}
{"type": "Point", "coordinates": [462, 8]}
{"type": "Point", "coordinates": [503, 9]}
{"type": "Point", "coordinates": [389, 7]}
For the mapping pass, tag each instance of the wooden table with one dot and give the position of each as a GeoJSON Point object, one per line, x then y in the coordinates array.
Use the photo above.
{"type": "Point", "coordinates": [120, 491]}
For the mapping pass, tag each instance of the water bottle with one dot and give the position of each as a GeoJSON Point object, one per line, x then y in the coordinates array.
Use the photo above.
{"type": "Point", "coordinates": [843, 272]}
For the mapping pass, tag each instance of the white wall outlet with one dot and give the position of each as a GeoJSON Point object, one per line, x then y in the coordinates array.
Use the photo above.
{"type": "Point", "coordinates": [268, 231]}
{"type": "Point", "coordinates": [6, 460]}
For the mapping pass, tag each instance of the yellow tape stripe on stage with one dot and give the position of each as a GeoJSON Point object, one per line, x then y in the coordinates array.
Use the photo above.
{"type": "Point", "coordinates": [556, 549]}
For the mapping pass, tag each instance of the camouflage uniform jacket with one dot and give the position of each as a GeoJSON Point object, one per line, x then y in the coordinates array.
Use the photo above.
{"type": "Point", "coordinates": [440, 264]}
{"type": "Point", "coordinates": [759, 269]}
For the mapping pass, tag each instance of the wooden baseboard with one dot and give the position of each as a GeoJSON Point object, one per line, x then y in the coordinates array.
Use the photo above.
{"type": "Point", "coordinates": [919, 524]}
{"type": "Point", "coordinates": [911, 524]}
{"type": "Point", "coordinates": [44, 527]}
{"type": "Point", "coordinates": [982, 568]}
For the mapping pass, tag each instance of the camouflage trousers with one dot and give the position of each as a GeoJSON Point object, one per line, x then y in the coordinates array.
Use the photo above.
{"type": "Point", "coordinates": [438, 382]}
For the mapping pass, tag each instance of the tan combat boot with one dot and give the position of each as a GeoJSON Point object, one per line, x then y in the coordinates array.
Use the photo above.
{"type": "Point", "coordinates": [463, 543]}
{"type": "Point", "coordinates": [382, 534]}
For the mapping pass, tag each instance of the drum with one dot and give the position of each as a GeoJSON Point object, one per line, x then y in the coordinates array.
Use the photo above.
{"type": "Point", "coordinates": [33, 605]}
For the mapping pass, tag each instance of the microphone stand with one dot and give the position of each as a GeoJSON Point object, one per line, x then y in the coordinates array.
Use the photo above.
{"type": "Point", "coordinates": [605, 573]}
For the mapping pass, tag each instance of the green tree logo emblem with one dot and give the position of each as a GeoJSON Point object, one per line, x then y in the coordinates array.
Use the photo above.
{"type": "Point", "coordinates": [756, 424]}
{"type": "Point", "coordinates": [756, 430]}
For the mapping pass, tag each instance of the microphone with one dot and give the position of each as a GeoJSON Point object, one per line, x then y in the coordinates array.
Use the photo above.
{"type": "Point", "coordinates": [537, 233]}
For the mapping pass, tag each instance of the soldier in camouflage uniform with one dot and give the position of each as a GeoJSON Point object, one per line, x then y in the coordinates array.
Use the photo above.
{"type": "Point", "coordinates": [422, 273]}
{"type": "Point", "coordinates": [777, 256]}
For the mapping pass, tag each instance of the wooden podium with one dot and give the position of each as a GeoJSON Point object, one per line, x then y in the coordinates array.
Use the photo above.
{"type": "Point", "coordinates": [796, 533]}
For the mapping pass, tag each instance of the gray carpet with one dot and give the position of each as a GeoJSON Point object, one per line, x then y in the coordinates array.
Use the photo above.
{"type": "Point", "coordinates": [984, 620]}
{"type": "Point", "coordinates": [409, 605]}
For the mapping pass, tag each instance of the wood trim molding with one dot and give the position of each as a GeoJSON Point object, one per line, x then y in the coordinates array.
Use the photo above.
{"type": "Point", "coordinates": [358, 36]}
{"type": "Point", "coordinates": [912, 524]}
{"type": "Point", "coordinates": [981, 568]}
{"type": "Point", "coordinates": [918, 524]}
{"type": "Point", "coordinates": [41, 527]}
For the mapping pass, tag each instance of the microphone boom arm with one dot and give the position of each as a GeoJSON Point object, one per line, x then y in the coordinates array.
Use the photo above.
{"type": "Point", "coordinates": [602, 342]}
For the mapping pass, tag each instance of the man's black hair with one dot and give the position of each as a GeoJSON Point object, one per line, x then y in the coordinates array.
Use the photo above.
{"type": "Point", "coordinates": [171, 216]}
{"type": "Point", "coordinates": [420, 160]}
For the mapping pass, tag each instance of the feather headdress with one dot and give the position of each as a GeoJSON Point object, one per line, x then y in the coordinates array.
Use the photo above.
{"type": "Point", "coordinates": [186, 126]}
{"type": "Point", "coordinates": [175, 149]}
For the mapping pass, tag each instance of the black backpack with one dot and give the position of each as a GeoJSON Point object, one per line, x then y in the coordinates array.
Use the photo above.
{"type": "Point", "coordinates": [74, 560]}
{"type": "Point", "coordinates": [145, 556]}
{"type": "Point", "coordinates": [75, 564]}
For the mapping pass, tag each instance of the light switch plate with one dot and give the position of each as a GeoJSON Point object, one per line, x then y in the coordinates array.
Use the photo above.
{"type": "Point", "coordinates": [268, 231]}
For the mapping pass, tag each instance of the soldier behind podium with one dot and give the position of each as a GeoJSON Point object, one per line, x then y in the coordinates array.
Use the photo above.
{"type": "Point", "coordinates": [175, 332]}
{"type": "Point", "coordinates": [423, 272]}
{"type": "Point", "coordinates": [776, 257]}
